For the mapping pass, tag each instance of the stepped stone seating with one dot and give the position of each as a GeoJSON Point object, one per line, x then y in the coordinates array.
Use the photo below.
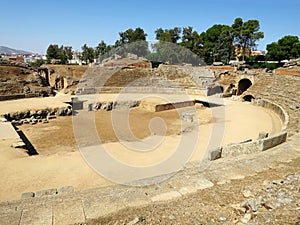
{"type": "Point", "coordinates": [80, 206]}
{"type": "Point", "coordinates": [282, 90]}
{"type": "Point", "coordinates": [177, 77]}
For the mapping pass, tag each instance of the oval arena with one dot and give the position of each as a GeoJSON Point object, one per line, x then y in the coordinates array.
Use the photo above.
{"type": "Point", "coordinates": [140, 116]}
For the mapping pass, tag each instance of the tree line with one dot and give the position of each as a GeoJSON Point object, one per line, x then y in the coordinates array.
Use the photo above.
{"type": "Point", "coordinates": [219, 43]}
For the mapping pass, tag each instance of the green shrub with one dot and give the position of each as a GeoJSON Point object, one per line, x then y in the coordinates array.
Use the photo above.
{"type": "Point", "coordinates": [272, 66]}
{"type": "Point", "coordinates": [37, 63]}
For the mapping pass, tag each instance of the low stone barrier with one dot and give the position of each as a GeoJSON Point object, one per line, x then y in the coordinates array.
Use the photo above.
{"type": "Point", "coordinates": [18, 96]}
{"type": "Point", "coordinates": [259, 145]}
{"type": "Point", "coordinates": [48, 192]}
{"type": "Point", "coordinates": [35, 116]}
{"type": "Point", "coordinates": [190, 91]}
{"type": "Point", "coordinates": [253, 146]}
{"type": "Point", "coordinates": [276, 108]}
{"type": "Point", "coordinates": [111, 105]}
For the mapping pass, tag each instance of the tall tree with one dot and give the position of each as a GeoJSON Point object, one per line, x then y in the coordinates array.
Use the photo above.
{"type": "Point", "coordinates": [296, 50]}
{"type": "Point", "coordinates": [63, 55]}
{"type": "Point", "coordinates": [132, 41]}
{"type": "Point", "coordinates": [101, 49]}
{"type": "Point", "coordinates": [87, 54]}
{"type": "Point", "coordinates": [191, 40]}
{"type": "Point", "coordinates": [69, 52]}
{"type": "Point", "coordinates": [217, 44]}
{"type": "Point", "coordinates": [246, 34]}
{"type": "Point", "coordinates": [274, 52]}
{"type": "Point", "coordinates": [52, 52]}
{"type": "Point", "coordinates": [59, 53]}
{"type": "Point", "coordinates": [131, 35]}
{"type": "Point", "coordinates": [168, 35]}
{"type": "Point", "coordinates": [224, 45]}
{"type": "Point", "coordinates": [288, 47]}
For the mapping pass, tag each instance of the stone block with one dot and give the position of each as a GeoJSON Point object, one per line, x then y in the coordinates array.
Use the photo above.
{"type": "Point", "coordinates": [98, 207]}
{"type": "Point", "coordinates": [11, 218]}
{"type": "Point", "coordinates": [232, 150]}
{"type": "Point", "coordinates": [188, 116]}
{"type": "Point", "coordinates": [68, 212]}
{"type": "Point", "coordinates": [135, 198]}
{"type": "Point", "coordinates": [274, 141]}
{"type": "Point", "coordinates": [50, 117]}
{"type": "Point", "coordinates": [77, 105]}
{"type": "Point", "coordinates": [187, 190]}
{"type": "Point", "coordinates": [263, 135]}
{"type": "Point", "coordinates": [65, 190]}
{"type": "Point", "coordinates": [27, 195]}
{"type": "Point", "coordinates": [215, 154]}
{"type": "Point", "coordinates": [203, 183]}
{"type": "Point", "coordinates": [218, 64]}
{"type": "Point", "coordinates": [47, 192]}
{"type": "Point", "coordinates": [90, 107]}
{"type": "Point", "coordinates": [36, 216]}
{"type": "Point", "coordinates": [166, 196]}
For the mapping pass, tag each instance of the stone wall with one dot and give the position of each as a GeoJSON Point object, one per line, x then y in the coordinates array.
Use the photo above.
{"type": "Point", "coordinates": [157, 107]}
{"type": "Point", "coordinates": [18, 96]}
{"type": "Point", "coordinates": [112, 105]}
{"type": "Point", "coordinates": [35, 116]}
{"type": "Point", "coordinates": [199, 77]}
{"type": "Point", "coordinates": [254, 146]}
{"type": "Point", "coordinates": [4, 62]}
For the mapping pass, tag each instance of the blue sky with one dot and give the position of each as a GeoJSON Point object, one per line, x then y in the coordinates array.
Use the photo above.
{"type": "Point", "coordinates": [32, 25]}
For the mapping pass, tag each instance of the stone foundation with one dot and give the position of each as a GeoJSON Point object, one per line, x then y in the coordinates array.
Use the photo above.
{"type": "Point", "coordinates": [157, 107]}
{"type": "Point", "coordinates": [35, 116]}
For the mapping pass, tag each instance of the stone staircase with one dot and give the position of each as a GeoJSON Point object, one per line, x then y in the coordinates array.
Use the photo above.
{"type": "Point", "coordinates": [284, 91]}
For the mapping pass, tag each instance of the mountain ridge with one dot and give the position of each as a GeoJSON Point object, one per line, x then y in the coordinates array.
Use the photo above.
{"type": "Point", "coordinates": [8, 51]}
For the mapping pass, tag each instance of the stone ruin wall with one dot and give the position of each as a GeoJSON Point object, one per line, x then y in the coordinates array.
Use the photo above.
{"type": "Point", "coordinates": [21, 81]}
{"type": "Point", "coordinates": [36, 116]}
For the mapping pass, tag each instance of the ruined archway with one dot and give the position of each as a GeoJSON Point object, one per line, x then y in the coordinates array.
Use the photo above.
{"type": "Point", "coordinates": [248, 98]}
{"type": "Point", "coordinates": [243, 85]}
{"type": "Point", "coordinates": [43, 72]}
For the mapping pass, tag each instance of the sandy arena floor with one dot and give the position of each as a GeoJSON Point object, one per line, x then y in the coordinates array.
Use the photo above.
{"type": "Point", "coordinates": [59, 162]}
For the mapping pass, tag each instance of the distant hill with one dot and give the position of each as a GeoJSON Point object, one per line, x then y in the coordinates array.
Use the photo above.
{"type": "Point", "coordinates": [8, 51]}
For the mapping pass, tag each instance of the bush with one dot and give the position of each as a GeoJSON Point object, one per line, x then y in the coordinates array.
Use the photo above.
{"type": "Point", "coordinates": [256, 65]}
{"type": "Point", "coordinates": [271, 66]}
{"type": "Point", "coordinates": [263, 65]}
{"type": "Point", "coordinates": [37, 63]}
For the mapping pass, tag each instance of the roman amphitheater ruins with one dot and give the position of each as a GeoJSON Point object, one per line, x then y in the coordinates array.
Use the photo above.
{"type": "Point", "coordinates": [126, 135]}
